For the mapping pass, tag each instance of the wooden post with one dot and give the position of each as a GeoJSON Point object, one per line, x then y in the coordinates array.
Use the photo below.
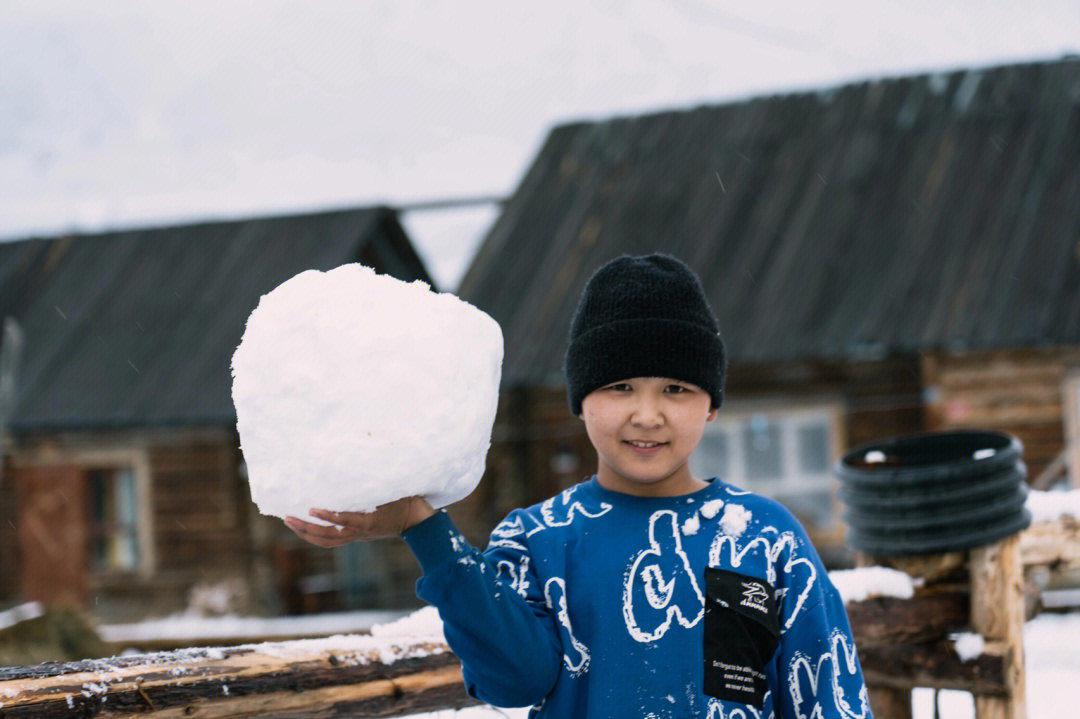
{"type": "Point", "coordinates": [890, 703]}
{"type": "Point", "coordinates": [997, 613]}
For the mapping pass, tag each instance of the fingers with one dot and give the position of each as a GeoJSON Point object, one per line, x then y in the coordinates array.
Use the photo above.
{"type": "Point", "coordinates": [344, 527]}
{"type": "Point", "coordinates": [388, 520]}
{"type": "Point", "coordinates": [358, 520]}
{"type": "Point", "coordinates": [318, 534]}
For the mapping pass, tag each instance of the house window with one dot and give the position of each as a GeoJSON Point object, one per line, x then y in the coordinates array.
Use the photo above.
{"type": "Point", "coordinates": [113, 521]}
{"type": "Point", "coordinates": [783, 453]}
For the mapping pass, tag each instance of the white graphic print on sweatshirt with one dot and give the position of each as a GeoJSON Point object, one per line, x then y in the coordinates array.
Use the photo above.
{"type": "Point", "coordinates": [660, 585]}
{"type": "Point", "coordinates": [559, 511]}
{"type": "Point", "coordinates": [516, 576]}
{"type": "Point", "coordinates": [717, 710]}
{"type": "Point", "coordinates": [835, 673]}
{"type": "Point", "coordinates": [765, 551]}
{"type": "Point", "coordinates": [510, 533]}
{"type": "Point", "coordinates": [576, 654]}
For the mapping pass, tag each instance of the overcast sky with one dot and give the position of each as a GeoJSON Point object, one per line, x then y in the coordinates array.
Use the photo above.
{"type": "Point", "coordinates": [131, 113]}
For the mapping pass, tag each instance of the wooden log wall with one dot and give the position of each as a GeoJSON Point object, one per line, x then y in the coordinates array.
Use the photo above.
{"type": "Point", "coordinates": [882, 398]}
{"type": "Point", "coordinates": [196, 511]}
{"type": "Point", "coordinates": [1021, 392]}
{"type": "Point", "coordinates": [199, 523]}
{"type": "Point", "coordinates": [9, 555]}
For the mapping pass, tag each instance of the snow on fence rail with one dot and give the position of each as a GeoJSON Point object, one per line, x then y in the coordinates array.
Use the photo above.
{"type": "Point", "coordinates": [338, 676]}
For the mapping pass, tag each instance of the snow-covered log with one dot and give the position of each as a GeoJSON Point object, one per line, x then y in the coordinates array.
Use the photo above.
{"type": "Point", "coordinates": [340, 676]}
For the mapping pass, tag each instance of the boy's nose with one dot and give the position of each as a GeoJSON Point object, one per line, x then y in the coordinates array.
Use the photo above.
{"type": "Point", "coordinates": [647, 414]}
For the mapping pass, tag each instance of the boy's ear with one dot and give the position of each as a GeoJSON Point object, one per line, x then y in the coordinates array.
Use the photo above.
{"type": "Point", "coordinates": [712, 414]}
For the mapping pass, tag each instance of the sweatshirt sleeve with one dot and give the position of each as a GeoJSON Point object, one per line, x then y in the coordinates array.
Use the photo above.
{"type": "Point", "coordinates": [495, 621]}
{"type": "Point", "coordinates": [816, 664]}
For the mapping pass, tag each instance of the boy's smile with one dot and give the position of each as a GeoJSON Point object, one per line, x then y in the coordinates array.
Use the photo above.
{"type": "Point", "coordinates": [644, 430]}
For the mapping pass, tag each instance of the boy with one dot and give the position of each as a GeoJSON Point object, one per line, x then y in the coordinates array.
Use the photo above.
{"type": "Point", "coordinates": [643, 591]}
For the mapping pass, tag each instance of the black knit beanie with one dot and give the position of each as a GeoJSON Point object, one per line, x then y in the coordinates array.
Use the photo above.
{"type": "Point", "coordinates": [643, 317]}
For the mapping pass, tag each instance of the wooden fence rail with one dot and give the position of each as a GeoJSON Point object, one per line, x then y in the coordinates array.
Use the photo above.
{"type": "Point", "coordinates": [284, 681]}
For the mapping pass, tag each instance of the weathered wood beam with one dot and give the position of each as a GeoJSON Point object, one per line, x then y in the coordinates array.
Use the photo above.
{"type": "Point", "coordinates": [890, 703]}
{"type": "Point", "coordinates": [928, 616]}
{"type": "Point", "coordinates": [281, 680]}
{"type": "Point", "coordinates": [997, 613]}
{"type": "Point", "coordinates": [1051, 543]}
{"type": "Point", "coordinates": [937, 665]}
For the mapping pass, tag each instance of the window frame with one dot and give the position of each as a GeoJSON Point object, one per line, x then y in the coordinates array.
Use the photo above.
{"type": "Point", "coordinates": [138, 463]}
{"type": "Point", "coordinates": [790, 416]}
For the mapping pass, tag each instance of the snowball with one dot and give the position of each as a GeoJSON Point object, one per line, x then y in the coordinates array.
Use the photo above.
{"type": "Point", "coordinates": [855, 585]}
{"type": "Point", "coordinates": [354, 389]}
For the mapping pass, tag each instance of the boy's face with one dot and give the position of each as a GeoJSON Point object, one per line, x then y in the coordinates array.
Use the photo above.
{"type": "Point", "coordinates": [644, 430]}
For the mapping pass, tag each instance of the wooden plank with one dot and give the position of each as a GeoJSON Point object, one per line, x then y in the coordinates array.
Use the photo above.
{"type": "Point", "coordinates": [1051, 543]}
{"type": "Point", "coordinates": [886, 621]}
{"type": "Point", "coordinates": [890, 703]}
{"type": "Point", "coordinates": [997, 613]}
{"type": "Point", "coordinates": [936, 665]}
{"type": "Point", "coordinates": [281, 681]}
{"type": "Point", "coordinates": [1071, 392]}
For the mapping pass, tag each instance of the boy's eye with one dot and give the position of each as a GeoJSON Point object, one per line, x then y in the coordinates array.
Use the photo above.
{"type": "Point", "coordinates": [676, 389]}
{"type": "Point", "coordinates": [619, 387]}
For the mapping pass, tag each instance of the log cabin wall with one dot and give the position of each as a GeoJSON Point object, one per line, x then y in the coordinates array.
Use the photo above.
{"type": "Point", "coordinates": [1018, 391]}
{"type": "Point", "coordinates": [192, 518]}
{"type": "Point", "coordinates": [881, 397]}
{"type": "Point", "coordinates": [201, 522]}
{"type": "Point", "coordinates": [9, 556]}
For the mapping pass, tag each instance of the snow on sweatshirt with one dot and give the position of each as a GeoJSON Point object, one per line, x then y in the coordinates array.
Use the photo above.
{"type": "Point", "coordinates": [601, 604]}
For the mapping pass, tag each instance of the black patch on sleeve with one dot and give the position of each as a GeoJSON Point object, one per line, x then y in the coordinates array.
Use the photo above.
{"type": "Point", "coordinates": [742, 631]}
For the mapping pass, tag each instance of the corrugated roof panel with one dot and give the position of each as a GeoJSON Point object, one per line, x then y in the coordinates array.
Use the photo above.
{"type": "Point", "coordinates": [899, 214]}
{"type": "Point", "coordinates": [138, 327]}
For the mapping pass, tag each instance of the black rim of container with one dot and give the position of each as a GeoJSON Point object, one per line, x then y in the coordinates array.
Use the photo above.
{"type": "Point", "coordinates": [934, 492]}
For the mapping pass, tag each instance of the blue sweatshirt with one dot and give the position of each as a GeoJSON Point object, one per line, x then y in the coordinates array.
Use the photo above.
{"type": "Point", "coordinates": [602, 604]}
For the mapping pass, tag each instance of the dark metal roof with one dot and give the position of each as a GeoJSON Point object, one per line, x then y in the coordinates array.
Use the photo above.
{"type": "Point", "coordinates": [897, 215]}
{"type": "Point", "coordinates": [137, 328]}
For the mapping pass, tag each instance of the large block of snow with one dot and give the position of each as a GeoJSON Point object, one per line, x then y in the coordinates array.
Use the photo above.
{"type": "Point", "coordinates": [353, 389]}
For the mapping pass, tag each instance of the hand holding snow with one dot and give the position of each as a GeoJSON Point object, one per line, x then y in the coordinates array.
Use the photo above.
{"type": "Point", "coordinates": [353, 389]}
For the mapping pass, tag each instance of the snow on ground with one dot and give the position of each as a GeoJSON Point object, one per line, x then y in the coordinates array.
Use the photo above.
{"type": "Point", "coordinates": [1052, 505]}
{"type": "Point", "coordinates": [221, 629]}
{"type": "Point", "coordinates": [20, 613]}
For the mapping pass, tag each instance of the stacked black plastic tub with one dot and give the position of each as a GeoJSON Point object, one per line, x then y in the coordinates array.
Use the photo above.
{"type": "Point", "coordinates": [933, 493]}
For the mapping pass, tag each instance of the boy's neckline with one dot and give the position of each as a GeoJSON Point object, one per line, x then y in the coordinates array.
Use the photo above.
{"type": "Point", "coordinates": [712, 485]}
